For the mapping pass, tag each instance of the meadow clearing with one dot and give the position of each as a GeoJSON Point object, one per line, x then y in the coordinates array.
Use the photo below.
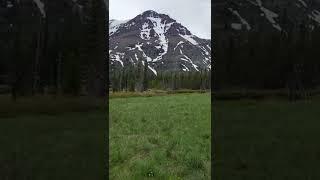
{"type": "Point", "coordinates": [52, 138]}
{"type": "Point", "coordinates": [266, 139]}
{"type": "Point", "coordinates": [160, 137]}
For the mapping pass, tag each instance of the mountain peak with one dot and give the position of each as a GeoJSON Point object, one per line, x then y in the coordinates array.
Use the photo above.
{"type": "Point", "coordinates": [150, 13]}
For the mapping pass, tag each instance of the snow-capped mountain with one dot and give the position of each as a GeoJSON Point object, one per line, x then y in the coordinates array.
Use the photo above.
{"type": "Point", "coordinates": [160, 40]}
{"type": "Point", "coordinates": [266, 15]}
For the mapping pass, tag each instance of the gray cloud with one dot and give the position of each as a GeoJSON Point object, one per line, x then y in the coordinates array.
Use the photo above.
{"type": "Point", "coordinates": [194, 14]}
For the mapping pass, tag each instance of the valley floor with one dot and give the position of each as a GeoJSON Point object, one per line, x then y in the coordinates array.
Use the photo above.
{"type": "Point", "coordinates": [165, 137]}
{"type": "Point", "coordinates": [53, 147]}
{"type": "Point", "coordinates": [52, 138]}
{"type": "Point", "coordinates": [267, 139]}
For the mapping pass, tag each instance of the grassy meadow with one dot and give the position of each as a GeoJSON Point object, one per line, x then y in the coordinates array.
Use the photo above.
{"type": "Point", "coordinates": [266, 139]}
{"type": "Point", "coordinates": [160, 137]}
{"type": "Point", "coordinates": [52, 138]}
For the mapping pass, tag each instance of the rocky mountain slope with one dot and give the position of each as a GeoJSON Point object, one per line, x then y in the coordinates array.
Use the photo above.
{"type": "Point", "coordinates": [159, 40]}
{"type": "Point", "coordinates": [266, 15]}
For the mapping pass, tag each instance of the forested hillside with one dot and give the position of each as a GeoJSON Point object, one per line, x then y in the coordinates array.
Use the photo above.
{"type": "Point", "coordinates": [266, 44]}
{"type": "Point", "coordinates": [53, 47]}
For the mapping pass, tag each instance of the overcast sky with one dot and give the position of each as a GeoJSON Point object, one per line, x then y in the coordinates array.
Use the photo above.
{"type": "Point", "coordinates": [193, 14]}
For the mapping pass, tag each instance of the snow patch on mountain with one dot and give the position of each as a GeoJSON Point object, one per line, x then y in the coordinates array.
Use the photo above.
{"type": "Point", "coordinates": [303, 3]}
{"type": "Point", "coordinates": [143, 53]}
{"type": "Point", "coordinates": [236, 26]}
{"type": "Point", "coordinates": [204, 50]}
{"type": "Point", "coordinates": [189, 38]}
{"type": "Point", "coordinates": [145, 32]}
{"type": "Point", "coordinates": [185, 68]}
{"type": "Point", "coordinates": [243, 21]}
{"type": "Point", "coordinates": [168, 26]}
{"type": "Point", "coordinates": [152, 69]}
{"type": "Point", "coordinates": [315, 15]}
{"type": "Point", "coordinates": [117, 57]}
{"type": "Point", "coordinates": [160, 30]}
{"type": "Point", "coordinates": [181, 42]}
{"type": "Point", "coordinates": [114, 25]}
{"type": "Point", "coordinates": [40, 6]}
{"type": "Point", "coordinates": [187, 59]}
{"type": "Point", "coordinates": [270, 15]}
{"type": "Point", "coordinates": [9, 4]}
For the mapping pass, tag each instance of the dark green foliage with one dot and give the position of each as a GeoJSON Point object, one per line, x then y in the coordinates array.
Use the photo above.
{"type": "Point", "coordinates": [145, 76]}
{"type": "Point", "coordinates": [61, 52]}
{"type": "Point", "coordinates": [94, 47]}
{"type": "Point", "coordinates": [268, 60]}
{"type": "Point", "coordinates": [71, 75]}
{"type": "Point", "coordinates": [138, 78]}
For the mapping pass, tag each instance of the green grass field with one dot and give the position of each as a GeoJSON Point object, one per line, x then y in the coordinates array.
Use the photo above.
{"type": "Point", "coordinates": [268, 139]}
{"type": "Point", "coordinates": [162, 137]}
{"type": "Point", "coordinates": [52, 138]}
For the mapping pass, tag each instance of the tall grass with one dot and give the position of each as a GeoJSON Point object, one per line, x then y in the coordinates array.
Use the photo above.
{"type": "Point", "coordinates": [161, 137]}
{"type": "Point", "coordinates": [46, 137]}
{"type": "Point", "coordinates": [153, 92]}
{"type": "Point", "coordinates": [267, 139]}
{"type": "Point", "coordinates": [48, 105]}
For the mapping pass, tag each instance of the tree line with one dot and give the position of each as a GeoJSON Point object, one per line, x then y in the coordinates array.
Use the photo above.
{"type": "Point", "coordinates": [139, 78]}
{"type": "Point", "coordinates": [262, 59]}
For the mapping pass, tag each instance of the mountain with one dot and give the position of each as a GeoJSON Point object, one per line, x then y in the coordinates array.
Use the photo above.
{"type": "Point", "coordinates": [160, 40]}
{"type": "Point", "coordinates": [266, 15]}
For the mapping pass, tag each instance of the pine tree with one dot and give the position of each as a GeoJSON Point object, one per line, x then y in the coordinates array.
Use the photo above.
{"type": "Point", "coordinates": [145, 76]}
{"type": "Point", "coordinates": [94, 50]}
